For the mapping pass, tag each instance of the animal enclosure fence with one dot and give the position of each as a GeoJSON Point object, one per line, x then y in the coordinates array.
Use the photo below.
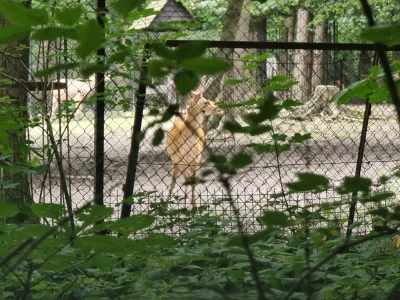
{"type": "Point", "coordinates": [331, 151]}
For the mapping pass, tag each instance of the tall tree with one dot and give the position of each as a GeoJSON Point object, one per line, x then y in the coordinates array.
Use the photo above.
{"type": "Point", "coordinates": [229, 32]}
{"type": "Point", "coordinates": [319, 57]}
{"type": "Point", "coordinates": [258, 33]}
{"type": "Point", "coordinates": [14, 61]}
{"type": "Point", "coordinates": [303, 58]}
{"type": "Point", "coordinates": [285, 57]}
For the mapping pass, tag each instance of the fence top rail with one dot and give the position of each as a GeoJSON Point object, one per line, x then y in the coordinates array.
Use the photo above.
{"type": "Point", "coordinates": [285, 45]}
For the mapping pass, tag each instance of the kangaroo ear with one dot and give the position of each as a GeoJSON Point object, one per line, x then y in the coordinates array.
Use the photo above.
{"type": "Point", "coordinates": [195, 95]}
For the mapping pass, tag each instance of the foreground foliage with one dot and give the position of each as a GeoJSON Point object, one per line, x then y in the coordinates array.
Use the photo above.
{"type": "Point", "coordinates": [299, 253]}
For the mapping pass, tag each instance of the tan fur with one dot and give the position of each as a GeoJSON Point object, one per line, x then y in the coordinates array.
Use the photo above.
{"type": "Point", "coordinates": [185, 140]}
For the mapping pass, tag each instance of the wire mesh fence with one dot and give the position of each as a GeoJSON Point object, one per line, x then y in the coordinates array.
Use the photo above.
{"type": "Point", "coordinates": [321, 72]}
{"type": "Point", "coordinates": [332, 150]}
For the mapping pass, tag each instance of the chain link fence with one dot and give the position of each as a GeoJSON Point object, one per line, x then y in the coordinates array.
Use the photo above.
{"type": "Point", "coordinates": [321, 72]}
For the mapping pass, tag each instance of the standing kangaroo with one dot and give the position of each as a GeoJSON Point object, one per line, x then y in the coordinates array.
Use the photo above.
{"type": "Point", "coordinates": [185, 140]}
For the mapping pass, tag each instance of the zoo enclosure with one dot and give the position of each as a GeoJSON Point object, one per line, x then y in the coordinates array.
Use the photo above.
{"type": "Point", "coordinates": [332, 151]}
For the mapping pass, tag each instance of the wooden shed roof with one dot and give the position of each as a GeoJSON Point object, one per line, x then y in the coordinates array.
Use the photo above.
{"type": "Point", "coordinates": [167, 10]}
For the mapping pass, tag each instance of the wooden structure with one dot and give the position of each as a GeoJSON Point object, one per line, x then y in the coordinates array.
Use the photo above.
{"type": "Point", "coordinates": [168, 10]}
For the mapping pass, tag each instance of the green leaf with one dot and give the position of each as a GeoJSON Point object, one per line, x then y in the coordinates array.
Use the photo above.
{"type": "Point", "coordinates": [12, 33]}
{"type": "Point", "coordinates": [90, 69]}
{"type": "Point", "coordinates": [186, 81]}
{"type": "Point", "coordinates": [41, 169]}
{"type": "Point", "coordinates": [218, 159]}
{"type": "Point", "coordinates": [250, 102]}
{"type": "Point", "coordinates": [119, 56]}
{"type": "Point", "coordinates": [192, 49]}
{"type": "Point", "coordinates": [279, 82]}
{"type": "Point", "coordinates": [205, 66]}
{"type": "Point", "coordinates": [8, 122]}
{"type": "Point", "coordinates": [263, 57]}
{"type": "Point", "coordinates": [234, 81]}
{"type": "Point", "coordinates": [252, 238]}
{"type": "Point", "coordinates": [241, 160]}
{"type": "Point", "coordinates": [137, 196]}
{"type": "Point", "coordinates": [385, 34]}
{"type": "Point", "coordinates": [234, 127]}
{"type": "Point", "coordinates": [361, 89]}
{"type": "Point", "coordinates": [279, 137]}
{"type": "Point", "coordinates": [380, 95]}
{"type": "Point", "coordinates": [221, 164]}
{"type": "Point", "coordinates": [250, 67]}
{"type": "Point", "coordinates": [53, 33]}
{"type": "Point", "coordinates": [90, 37]}
{"type": "Point", "coordinates": [309, 182]}
{"type": "Point", "coordinates": [375, 70]}
{"type": "Point", "coordinates": [31, 230]}
{"type": "Point", "coordinates": [48, 210]}
{"type": "Point", "coordinates": [108, 244]}
{"type": "Point", "coordinates": [158, 137]}
{"type": "Point", "coordinates": [299, 138]}
{"type": "Point", "coordinates": [267, 111]}
{"type": "Point", "coordinates": [171, 111]}
{"type": "Point", "coordinates": [131, 224]}
{"type": "Point", "coordinates": [69, 15]}
{"type": "Point", "coordinates": [163, 51]}
{"type": "Point", "coordinates": [377, 198]}
{"type": "Point", "coordinates": [159, 67]}
{"type": "Point", "coordinates": [56, 68]}
{"type": "Point", "coordinates": [288, 104]}
{"type": "Point", "coordinates": [7, 228]}
{"type": "Point", "coordinates": [159, 240]}
{"type": "Point", "coordinates": [355, 184]}
{"type": "Point", "coordinates": [269, 148]}
{"type": "Point", "coordinates": [248, 57]}
{"type": "Point", "coordinates": [8, 210]}
{"type": "Point", "coordinates": [257, 129]}
{"type": "Point", "coordinates": [95, 213]}
{"type": "Point", "coordinates": [274, 218]}
{"type": "Point", "coordinates": [124, 7]}
{"type": "Point", "coordinates": [19, 15]}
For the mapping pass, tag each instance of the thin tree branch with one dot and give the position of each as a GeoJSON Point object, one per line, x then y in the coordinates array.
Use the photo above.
{"type": "Point", "coordinates": [61, 171]}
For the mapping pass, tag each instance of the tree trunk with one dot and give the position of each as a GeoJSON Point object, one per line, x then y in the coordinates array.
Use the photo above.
{"type": "Point", "coordinates": [258, 33]}
{"type": "Point", "coordinates": [242, 91]}
{"type": "Point", "coordinates": [15, 64]}
{"type": "Point", "coordinates": [285, 57]}
{"type": "Point", "coordinates": [319, 60]}
{"type": "Point", "coordinates": [229, 32]}
{"type": "Point", "coordinates": [303, 59]}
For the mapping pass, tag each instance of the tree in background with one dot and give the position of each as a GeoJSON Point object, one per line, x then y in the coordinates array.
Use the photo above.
{"type": "Point", "coordinates": [303, 58]}
{"type": "Point", "coordinates": [14, 61]}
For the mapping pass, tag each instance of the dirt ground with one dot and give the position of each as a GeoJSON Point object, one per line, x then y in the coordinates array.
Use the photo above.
{"type": "Point", "coordinates": [332, 152]}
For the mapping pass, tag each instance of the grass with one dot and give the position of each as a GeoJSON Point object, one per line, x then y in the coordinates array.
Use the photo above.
{"type": "Point", "coordinates": [86, 125]}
